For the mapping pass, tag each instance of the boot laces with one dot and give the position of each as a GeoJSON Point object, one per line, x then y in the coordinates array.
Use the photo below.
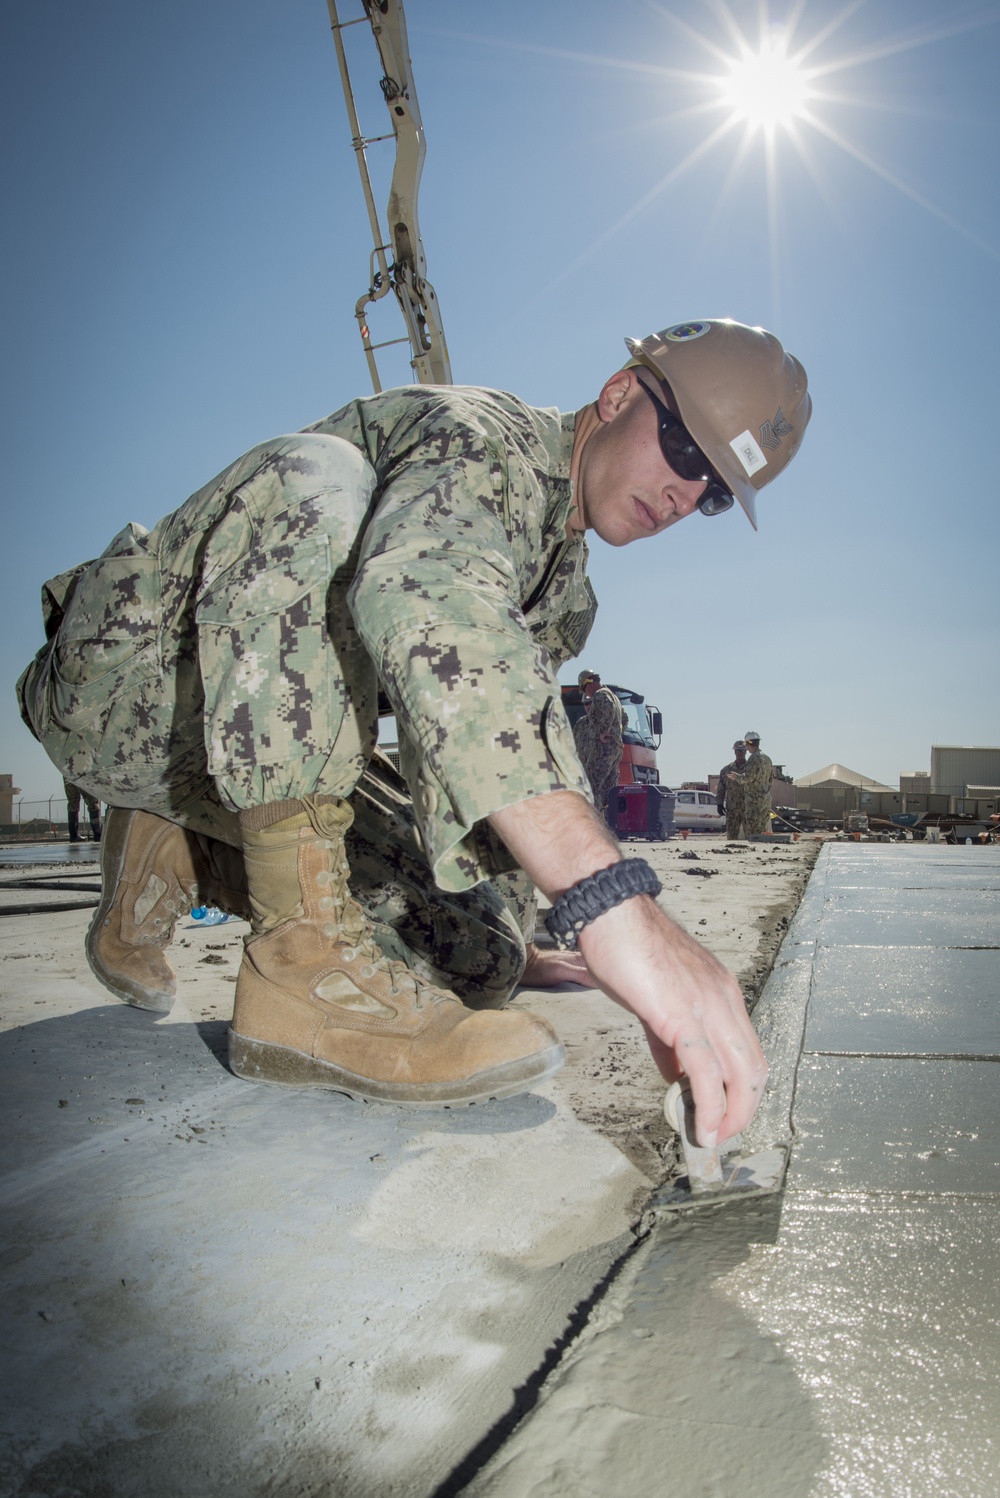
{"type": "Point", "coordinates": [402, 977]}
{"type": "Point", "coordinates": [328, 822]}
{"type": "Point", "coordinates": [402, 980]}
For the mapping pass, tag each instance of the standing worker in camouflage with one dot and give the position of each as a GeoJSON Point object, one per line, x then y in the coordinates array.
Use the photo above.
{"type": "Point", "coordinates": [218, 681]}
{"type": "Point", "coordinates": [74, 795]}
{"type": "Point", "coordinates": [729, 798]}
{"type": "Point", "coordinates": [598, 738]}
{"type": "Point", "coordinates": [757, 778]}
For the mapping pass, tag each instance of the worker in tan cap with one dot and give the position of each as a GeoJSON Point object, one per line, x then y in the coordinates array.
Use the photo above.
{"type": "Point", "coordinates": [218, 680]}
{"type": "Point", "coordinates": [729, 795]}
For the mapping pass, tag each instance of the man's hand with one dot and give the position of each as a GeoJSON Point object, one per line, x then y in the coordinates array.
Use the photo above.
{"type": "Point", "coordinates": [549, 967]}
{"type": "Point", "coordinates": [689, 1004]}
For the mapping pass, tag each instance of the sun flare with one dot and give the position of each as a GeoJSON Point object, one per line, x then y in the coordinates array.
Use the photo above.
{"type": "Point", "coordinates": [766, 88]}
{"type": "Point", "coordinates": [767, 93]}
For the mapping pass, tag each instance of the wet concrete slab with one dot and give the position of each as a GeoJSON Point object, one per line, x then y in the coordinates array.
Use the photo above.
{"type": "Point", "coordinates": [908, 1000]}
{"type": "Point", "coordinates": [220, 1289]}
{"type": "Point", "coordinates": [27, 855]}
{"type": "Point", "coordinates": [835, 1345]}
{"type": "Point", "coordinates": [913, 917]}
{"type": "Point", "coordinates": [841, 1340]}
{"type": "Point", "coordinates": [864, 1124]}
{"type": "Point", "coordinates": [209, 1287]}
{"type": "Point", "coordinates": [206, 1280]}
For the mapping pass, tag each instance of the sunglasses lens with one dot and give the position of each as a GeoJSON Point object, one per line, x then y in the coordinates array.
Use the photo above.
{"type": "Point", "coordinates": [682, 452]}
{"type": "Point", "coordinates": [687, 459]}
{"type": "Point", "coordinates": [715, 500]}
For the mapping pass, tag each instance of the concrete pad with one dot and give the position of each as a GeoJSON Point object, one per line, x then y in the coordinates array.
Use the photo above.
{"type": "Point", "coordinates": [905, 1000]}
{"type": "Point", "coordinates": [843, 1346]}
{"type": "Point", "coordinates": [901, 1125]}
{"type": "Point", "coordinates": [841, 1341]}
{"type": "Point", "coordinates": [222, 1289]}
{"type": "Point", "coordinates": [218, 1284]}
{"type": "Point", "coordinates": [913, 917]}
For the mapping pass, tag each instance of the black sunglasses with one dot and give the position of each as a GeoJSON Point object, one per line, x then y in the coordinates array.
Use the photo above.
{"type": "Point", "coordinates": [687, 459]}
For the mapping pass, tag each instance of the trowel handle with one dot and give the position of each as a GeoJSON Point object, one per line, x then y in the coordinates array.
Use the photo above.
{"type": "Point", "coordinates": [704, 1166]}
{"type": "Point", "coordinates": [673, 1105]}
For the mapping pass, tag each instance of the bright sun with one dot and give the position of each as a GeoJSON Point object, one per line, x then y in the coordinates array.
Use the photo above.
{"type": "Point", "coordinates": [768, 91]}
{"type": "Point", "coordinates": [766, 88]}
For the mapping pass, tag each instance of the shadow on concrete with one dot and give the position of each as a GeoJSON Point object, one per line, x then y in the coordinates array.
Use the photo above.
{"type": "Point", "coordinates": [679, 1388]}
{"type": "Point", "coordinates": [114, 1071]}
{"type": "Point", "coordinates": [210, 1286]}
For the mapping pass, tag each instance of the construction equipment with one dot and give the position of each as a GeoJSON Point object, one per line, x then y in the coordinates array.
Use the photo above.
{"type": "Point", "coordinates": [644, 807]}
{"type": "Point", "coordinates": [406, 273]}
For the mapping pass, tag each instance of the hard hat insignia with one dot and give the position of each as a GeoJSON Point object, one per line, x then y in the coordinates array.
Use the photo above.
{"type": "Point", "coordinates": [772, 432]}
{"type": "Point", "coordinates": [683, 332]}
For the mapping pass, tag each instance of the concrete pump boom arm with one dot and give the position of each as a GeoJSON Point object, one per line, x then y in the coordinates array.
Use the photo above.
{"type": "Point", "coordinates": [405, 274]}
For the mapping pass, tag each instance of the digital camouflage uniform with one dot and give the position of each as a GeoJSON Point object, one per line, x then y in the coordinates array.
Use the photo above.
{"type": "Point", "coordinates": [409, 551]}
{"type": "Point", "coordinates": [730, 796]}
{"type": "Point", "coordinates": [598, 736]}
{"type": "Point", "coordinates": [757, 776]}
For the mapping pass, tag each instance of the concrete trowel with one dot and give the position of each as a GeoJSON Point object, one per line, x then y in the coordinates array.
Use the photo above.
{"type": "Point", "coordinates": [714, 1175]}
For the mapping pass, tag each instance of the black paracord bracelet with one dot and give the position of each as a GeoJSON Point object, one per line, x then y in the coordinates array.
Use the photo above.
{"type": "Point", "coordinates": [596, 895]}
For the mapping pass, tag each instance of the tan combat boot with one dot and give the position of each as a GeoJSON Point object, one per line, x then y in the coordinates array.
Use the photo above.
{"type": "Point", "coordinates": [153, 871]}
{"type": "Point", "coordinates": [318, 1005]}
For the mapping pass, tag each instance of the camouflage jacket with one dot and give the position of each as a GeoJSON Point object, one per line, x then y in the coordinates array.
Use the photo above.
{"type": "Point", "coordinates": [730, 787]}
{"type": "Point", "coordinates": [468, 597]}
{"type": "Point", "coordinates": [757, 775]}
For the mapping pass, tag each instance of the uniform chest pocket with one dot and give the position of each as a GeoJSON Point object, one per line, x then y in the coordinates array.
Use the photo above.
{"type": "Point", "coordinates": [562, 634]}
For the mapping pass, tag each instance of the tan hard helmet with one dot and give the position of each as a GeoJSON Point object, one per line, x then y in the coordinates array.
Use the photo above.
{"type": "Point", "coordinates": [742, 398]}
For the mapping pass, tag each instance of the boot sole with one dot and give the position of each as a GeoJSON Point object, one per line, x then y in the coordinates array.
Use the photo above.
{"type": "Point", "coordinates": [262, 1061]}
{"type": "Point", "coordinates": [112, 858]}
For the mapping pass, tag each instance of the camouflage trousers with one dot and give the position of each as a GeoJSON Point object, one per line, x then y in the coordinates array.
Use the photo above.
{"type": "Point", "coordinates": [757, 814]}
{"type": "Point", "coordinates": [213, 664]}
{"type": "Point", "coordinates": [473, 942]}
{"type": "Point", "coordinates": [734, 812]}
{"type": "Point", "coordinates": [74, 795]}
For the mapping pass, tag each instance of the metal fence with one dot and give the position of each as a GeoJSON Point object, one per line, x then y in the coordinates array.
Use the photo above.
{"type": "Point", "coordinates": [42, 819]}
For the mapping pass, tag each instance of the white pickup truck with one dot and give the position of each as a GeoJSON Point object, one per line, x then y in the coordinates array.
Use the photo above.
{"type": "Point", "coordinates": [696, 811]}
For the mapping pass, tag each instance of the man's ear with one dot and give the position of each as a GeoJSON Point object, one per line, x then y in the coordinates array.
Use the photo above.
{"type": "Point", "coordinates": [615, 394]}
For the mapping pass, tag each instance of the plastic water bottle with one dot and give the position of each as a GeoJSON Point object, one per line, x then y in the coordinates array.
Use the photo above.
{"type": "Point", "coordinates": [208, 915]}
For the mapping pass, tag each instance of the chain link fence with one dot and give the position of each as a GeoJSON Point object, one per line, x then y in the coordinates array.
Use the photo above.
{"type": "Point", "coordinates": [43, 821]}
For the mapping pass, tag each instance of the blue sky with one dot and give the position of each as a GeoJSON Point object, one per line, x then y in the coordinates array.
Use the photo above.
{"type": "Point", "coordinates": [186, 240]}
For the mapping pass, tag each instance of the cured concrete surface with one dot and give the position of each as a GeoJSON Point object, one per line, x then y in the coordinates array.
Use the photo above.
{"type": "Point", "coordinates": [841, 1340]}
{"type": "Point", "coordinates": [213, 1288]}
